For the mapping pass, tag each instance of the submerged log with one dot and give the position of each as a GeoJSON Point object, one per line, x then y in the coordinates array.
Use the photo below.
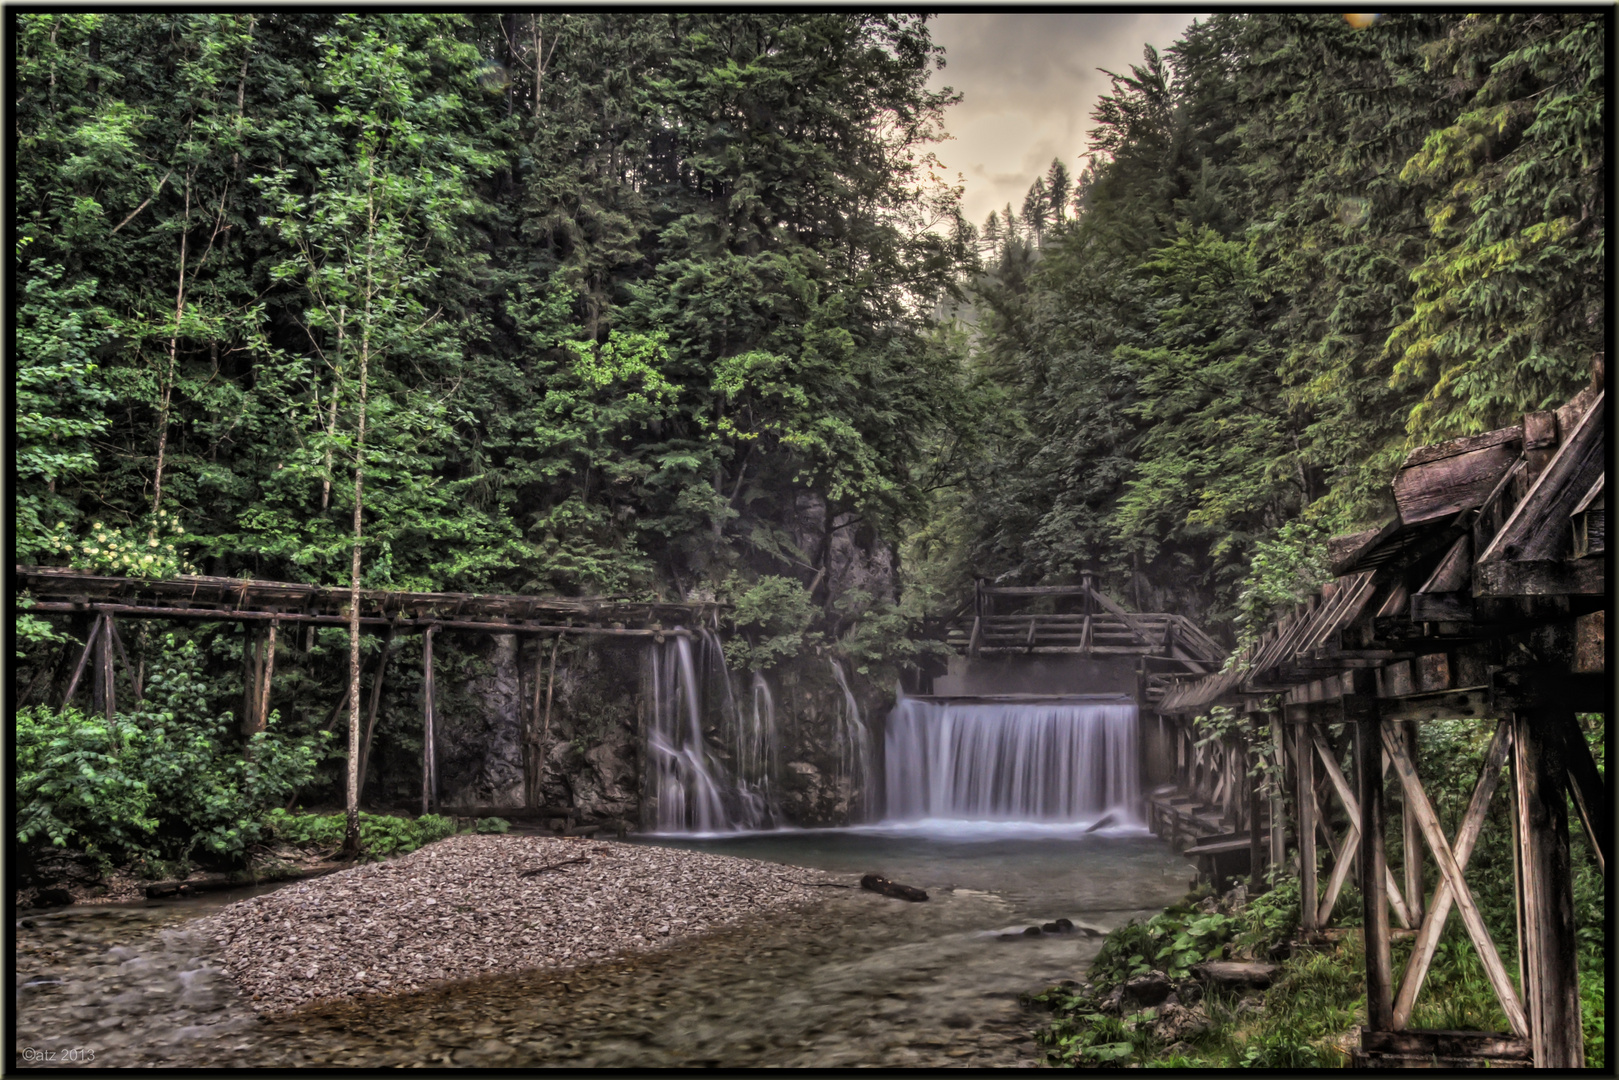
{"type": "Point", "coordinates": [882, 885]}
{"type": "Point", "coordinates": [1102, 822]}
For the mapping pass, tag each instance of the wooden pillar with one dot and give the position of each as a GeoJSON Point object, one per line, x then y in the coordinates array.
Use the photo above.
{"type": "Point", "coordinates": [1361, 711]}
{"type": "Point", "coordinates": [1552, 993]}
{"type": "Point", "coordinates": [371, 711]}
{"type": "Point", "coordinates": [429, 764]}
{"type": "Point", "coordinates": [1412, 854]}
{"type": "Point", "coordinates": [1278, 804]}
{"type": "Point", "coordinates": [1304, 800]}
{"type": "Point", "coordinates": [105, 695]}
{"type": "Point", "coordinates": [1256, 839]}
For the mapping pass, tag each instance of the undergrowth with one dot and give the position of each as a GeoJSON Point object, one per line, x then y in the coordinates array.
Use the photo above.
{"type": "Point", "coordinates": [380, 835]}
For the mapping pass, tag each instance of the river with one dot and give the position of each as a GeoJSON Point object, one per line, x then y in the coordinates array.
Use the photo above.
{"type": "Point", "coordinates": [857, 979]}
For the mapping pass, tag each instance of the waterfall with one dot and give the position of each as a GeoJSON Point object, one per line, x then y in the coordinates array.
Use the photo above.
{"type": "Point", "coordinates": [697, 784]}
{"type": "Point", "coordinates": [1053, 760]}
{"type": "Point", "coordinates": [854, 741]}
{"type": "Point", "coordinates": [684, 785]}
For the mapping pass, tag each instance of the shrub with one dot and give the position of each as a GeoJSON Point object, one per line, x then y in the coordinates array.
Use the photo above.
{"type": "Point", "coordinates": [75, 782]}
{"type": "Point", "coordinates": [491, 825]}
{"type": "Point", "coordinates": [158, 783]}
{"type": "Point", "coordinates": [381, 835]}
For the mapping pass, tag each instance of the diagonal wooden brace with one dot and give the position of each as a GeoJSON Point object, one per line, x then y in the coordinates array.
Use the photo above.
{"type": "Point", "coordinates": [1422, 953]}
{"type": "Point", "coordinates": [1419, 804]}
{"type": "Point", "coordinates": [1352, 805]}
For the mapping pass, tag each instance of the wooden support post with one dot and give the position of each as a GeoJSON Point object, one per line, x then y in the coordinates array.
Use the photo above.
{"type": "Point", "coordinates": [1278, 805]}
{"type": "Point", "coordinates": [1433, 925]}
{"type": "Point", "coordinates": [1256, 840]}
{"type": "Point", "coordinates": [123, 657]}
{"type": "Point", "coordinates": [1352, 805]}
{"type": "Point", "coordinates": [429, 765]}
{"type": "Point", "coordinates": [371, 710]}
{"type": "Point", "coordinates": [266, 674]}
{"type": "Point", "coordinates": [1412, 853]}
{"type": "Point", "coordinates": [1362, 712]}
{"type": "Point", "coordinates": [1553, 990]}
{"type": "Point", "coordinates": [106, 699]}
{"type": "Point", "coordinates": [1304, 799]}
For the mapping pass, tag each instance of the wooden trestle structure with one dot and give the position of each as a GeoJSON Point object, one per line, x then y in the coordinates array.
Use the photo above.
{"type": "Point", "coordinates": [1484, 598]}
{"type": "Point", "coordinates": [265, 606]}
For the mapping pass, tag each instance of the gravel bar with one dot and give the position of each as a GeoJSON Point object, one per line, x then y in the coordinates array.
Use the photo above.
{"type": "Point", "coordinates": [479, 905]}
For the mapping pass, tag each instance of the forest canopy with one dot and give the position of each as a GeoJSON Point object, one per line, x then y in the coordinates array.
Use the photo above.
{"type": "Point", "coordinates": [656, 303]}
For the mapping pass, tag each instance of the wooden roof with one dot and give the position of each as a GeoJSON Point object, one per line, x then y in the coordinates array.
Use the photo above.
{"type": "Point", "coordinates": [1529, 505]}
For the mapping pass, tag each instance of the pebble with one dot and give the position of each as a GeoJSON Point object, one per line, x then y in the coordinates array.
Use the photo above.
{"type": "Point", "coordinates": [481, 905]}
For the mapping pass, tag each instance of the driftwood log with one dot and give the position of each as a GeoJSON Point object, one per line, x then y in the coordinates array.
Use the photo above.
{"type": "Point", "coordinates": [1103, 822]}
{"type": "Point", "coordinates": [215, 882]}
{"type": "Point", "coordinates": [882, 885]}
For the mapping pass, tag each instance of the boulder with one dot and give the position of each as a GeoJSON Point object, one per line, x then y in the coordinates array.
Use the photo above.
{"type": "Point", "coordinates": [1147, 990]}
{"type": "Point", "coordinates": [1179, 1023]}
{"type": "Point", "coordinates": [1234, 976]}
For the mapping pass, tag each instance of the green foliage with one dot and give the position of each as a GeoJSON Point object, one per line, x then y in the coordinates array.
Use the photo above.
{"type": "Point", "coordinates": [164, 781]}
{"type": "Point", "coordinates": [381, 835]}
{"type": "Point", "coordinates": [491, 825]}
{"type": "Point", "coordinates": [772, 619]}
{"type": "Point", "coordinates": [77, 781]}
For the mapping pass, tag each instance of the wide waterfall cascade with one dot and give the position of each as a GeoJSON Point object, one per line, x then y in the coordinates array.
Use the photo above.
{"type": "Point", "coordinates": [717, 780]}
{"type": "Point", "coordinates": [1052, 760]}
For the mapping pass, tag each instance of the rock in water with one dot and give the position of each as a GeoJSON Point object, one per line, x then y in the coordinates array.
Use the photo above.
{"type": "Point", "coordinates": [879, 884]}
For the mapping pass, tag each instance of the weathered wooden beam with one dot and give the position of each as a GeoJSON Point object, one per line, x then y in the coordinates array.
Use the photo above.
{"type": "Point", "coordinates": [429, 769]}
{"type": "Point", "coordinates": [1362, 713]}
{"type": "Point", "coordinates": [1436, 482]}
{"type": "Point", "coordinates": [1352, 805]}
{"type": "Point", "coordinates": [1445, 1044]}
{"type": "Point", "coordinates": [1543, 577]}
{"type": "Point", "coordinates": [1553, 989]}
{"type": "Point", "coordinates": [1589, 793]}
{"type": "Point", "coordinates": [1304, 800]}
{"type": "Point", "coordinates": [1452, 873]}
{"type": "Point", "coordinates": [1411, 847]}
{"type": "Point", "coordinates": [1433, 925]}
{"type": "Point", "coordinates": [401, 625]}
{"type": "Point", "coordinates": [1470, 704]}
{"type": "Point", "coordinates": [1256, 840]}
{"type": "Point", "coordinates": [1512, 689]}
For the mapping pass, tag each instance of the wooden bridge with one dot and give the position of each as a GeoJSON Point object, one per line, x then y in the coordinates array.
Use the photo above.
{"type": "Point", "coordinates": [1080, 621]}
{"type": "Point", "coordinates": [97, 602]}
{"type": "Point", "coordinates": [1484, 598]}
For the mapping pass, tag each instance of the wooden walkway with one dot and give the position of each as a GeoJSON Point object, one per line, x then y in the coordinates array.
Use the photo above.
{"type": "Point", "coordinates": [1484, 598]}
{"type": "Point", "coordinates": [1082, 622]}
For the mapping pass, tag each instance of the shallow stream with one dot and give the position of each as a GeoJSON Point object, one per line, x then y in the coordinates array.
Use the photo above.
{"type": "Point", "coordinates": [857, 979]}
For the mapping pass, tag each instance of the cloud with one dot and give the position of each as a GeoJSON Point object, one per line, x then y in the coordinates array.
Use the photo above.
{"type": "Point", "coordinates": [1029, 83]}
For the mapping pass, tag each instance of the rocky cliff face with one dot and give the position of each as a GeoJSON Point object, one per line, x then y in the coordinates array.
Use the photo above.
{"type": "Point", "coordinates": [594, 750]}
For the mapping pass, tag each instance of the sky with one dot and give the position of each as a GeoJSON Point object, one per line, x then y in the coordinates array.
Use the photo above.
{"type": "Point", "coordinates": [1030, 81]}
